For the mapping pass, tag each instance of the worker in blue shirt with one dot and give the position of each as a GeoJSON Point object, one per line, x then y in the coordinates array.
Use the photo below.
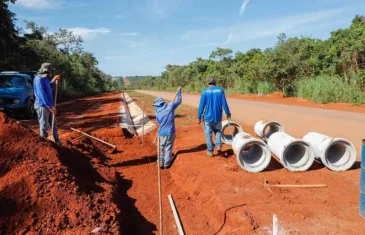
{"type": "Point", "coordinates": [44, 105]}
{"type": "Point", "coordinates": [165, 116]}
{"type": "Point", "coordinates": [210, 109]}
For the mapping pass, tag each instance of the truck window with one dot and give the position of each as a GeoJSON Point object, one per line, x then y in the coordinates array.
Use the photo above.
{"type": "Point", "coordinates": [7, 81]}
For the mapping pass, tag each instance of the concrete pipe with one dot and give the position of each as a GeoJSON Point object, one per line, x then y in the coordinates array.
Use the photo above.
{"type": "Point", "coordinates": [265, 129]}
{"type": "Point", "coordinates": [253, 155]}
{"type": "Point", "coordinates": [294, 154]}
{"type": "Point", "coordinates": [337, 154]}
{"type": "Point", "coordinates": [228, 129]}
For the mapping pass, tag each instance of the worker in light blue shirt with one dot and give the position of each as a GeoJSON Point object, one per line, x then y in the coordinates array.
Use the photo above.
{"type": "Point", "coordinates": [43, 104]}
{"type": "Point", "coordinates": [165, 116]}
{"type": "Point", "coordinates": [212, 102]}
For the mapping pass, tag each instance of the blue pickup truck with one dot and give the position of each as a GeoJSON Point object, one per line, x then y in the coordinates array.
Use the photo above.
{"type": "Point", "coordinates": [16, 93]}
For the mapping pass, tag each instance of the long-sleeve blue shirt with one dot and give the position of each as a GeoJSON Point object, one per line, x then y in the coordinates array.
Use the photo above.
{"type": "Point", "coordinates": [211, 102]}
{"type": "Point", "coordinates": [43, 92]}
{"type": "Point", "coordinates": [166, 117]}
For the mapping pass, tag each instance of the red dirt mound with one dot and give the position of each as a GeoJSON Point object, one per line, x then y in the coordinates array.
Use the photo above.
{"type": "Point", "coordinates": [46, 189]}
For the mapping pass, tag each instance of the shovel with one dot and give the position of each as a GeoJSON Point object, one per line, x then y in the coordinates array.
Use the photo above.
{"type": "Point", "coordinates": [54, 115]}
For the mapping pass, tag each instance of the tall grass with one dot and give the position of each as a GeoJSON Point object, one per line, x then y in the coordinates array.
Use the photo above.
{"type": "Point", "coordinates": [265, 87]}
{"type": "Point", "coordinates": [325, 88]}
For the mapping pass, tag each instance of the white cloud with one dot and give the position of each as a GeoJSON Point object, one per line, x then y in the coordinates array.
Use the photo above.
{"type": "Point", "coordinates": [48, 4]}
{"type": "Point", "coordinates": [130, 34]}
{"type": "Point", "coordinates": [162, 9]}
{"type": "Point", "coordinates": [258, 29]}
{"type": "Point", "coordinates": [244, 6]}
{"type": "Point", "coordinates": [86, 33]}
{"type": "Point", "coordinates": [39, 4]}
{"type": "Point", "coordinates": [229, 39]}
{"type": "Point", "coordinates": [116, 57]}
{"type": "Point", "coordinates": [208, 19]}
{"type": "Point", "coordinates": [137, 44]}
{"type": "Point", "coordinates": [32, 18]}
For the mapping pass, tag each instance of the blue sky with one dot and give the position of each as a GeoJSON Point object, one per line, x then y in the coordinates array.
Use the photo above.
{"type": "Point", "coordinates": [140, 37]}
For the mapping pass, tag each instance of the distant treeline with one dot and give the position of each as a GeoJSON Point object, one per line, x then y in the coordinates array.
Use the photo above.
{"type": "Point", "coordinates": [26, 49]}
{"type": "Point", "coordinates": [330, 70]}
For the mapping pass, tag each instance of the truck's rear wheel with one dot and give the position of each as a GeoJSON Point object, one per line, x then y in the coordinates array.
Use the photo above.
{"type": "Point", "coordinates": [29, 112]}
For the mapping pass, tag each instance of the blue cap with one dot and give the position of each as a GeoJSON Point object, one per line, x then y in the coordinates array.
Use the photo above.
{"type": "Point", "coordinates": [159, 102]}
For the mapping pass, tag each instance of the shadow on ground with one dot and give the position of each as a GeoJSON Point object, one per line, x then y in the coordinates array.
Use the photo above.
{"type": "Point", "coordinates": [131, 221]}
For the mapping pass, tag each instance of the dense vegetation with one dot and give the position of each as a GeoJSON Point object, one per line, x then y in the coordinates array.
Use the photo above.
{"type": "Point", "coordinates": [330, 70]}
{"type": "Point", "coordinates": [27, 51]}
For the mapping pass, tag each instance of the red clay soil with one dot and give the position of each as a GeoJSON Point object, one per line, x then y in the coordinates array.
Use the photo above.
{"type": "Point", "coordinates": [212, 195]}
{"type": "Point", "coordinates": [46, 189]}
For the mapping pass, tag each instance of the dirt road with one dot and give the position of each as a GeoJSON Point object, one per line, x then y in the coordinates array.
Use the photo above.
{"type": "Point", "coordinates": [119, 191]}
{"type": "Point", "coordinates": [296, 120]}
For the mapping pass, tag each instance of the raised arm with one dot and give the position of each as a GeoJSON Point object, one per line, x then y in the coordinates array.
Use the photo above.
{"type": "Point", "coordinates": [178, 100]}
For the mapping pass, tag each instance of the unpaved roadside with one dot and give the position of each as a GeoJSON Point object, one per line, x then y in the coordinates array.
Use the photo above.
{"type": "Point", "coordinates": [296, 120]}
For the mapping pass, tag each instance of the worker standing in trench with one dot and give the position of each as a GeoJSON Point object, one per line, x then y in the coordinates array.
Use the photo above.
{"type": "Point", "coordinates": [210, 109]}
{"type": "Point", "coordinates": [44, 105]}
{"type": "Point", "coordinates": [165, 116]}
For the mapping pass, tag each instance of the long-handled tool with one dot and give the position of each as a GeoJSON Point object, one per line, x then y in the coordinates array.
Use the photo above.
{"type": "Point", "coordinates": [54, 115]}
{"type": "Point", "coordinates": [159, 184]}
{"type": "Point", "coordinates": [102, 141]}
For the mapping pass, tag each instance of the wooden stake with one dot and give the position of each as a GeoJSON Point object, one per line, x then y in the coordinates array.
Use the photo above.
{"type": "Point", "coordinates": [298, 186]}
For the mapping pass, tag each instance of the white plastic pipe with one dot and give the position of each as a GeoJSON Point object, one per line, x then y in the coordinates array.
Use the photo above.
{"type": "Point", "coordinates": [337, 154]}
{"type": "Point", "coordinates": [252, 154]}
{"type": "Point", "coordinates": [176, 215]}
{"type": "Point", "coordinates": [294, 154]}
{"type": "Point", "coordinates": [265, 129]}
{"type": "Point", "coordinates": [230, 128]}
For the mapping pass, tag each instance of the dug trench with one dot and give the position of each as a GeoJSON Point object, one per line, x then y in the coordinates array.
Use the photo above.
{"type": "Point", "coordinates": [73, 189]}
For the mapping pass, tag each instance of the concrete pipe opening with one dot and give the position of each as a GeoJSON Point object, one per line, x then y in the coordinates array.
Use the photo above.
{"type": "Point", "coordinates": [265, 129]}
{"type": "Point", "coordinates": [271, 129]}
{"type": "Point", "coordinates": [298, 156]}
{"type": "Point", "coordinates": [228, 130]}
{"type": "Point", "coordinates": [340, 155]}
{"type": "Point", "coordinates": [254, 156]}
{"type": "Point", "coordinates": [337, 154]}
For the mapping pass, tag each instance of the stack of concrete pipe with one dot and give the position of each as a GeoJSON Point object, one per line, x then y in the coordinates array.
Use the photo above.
{"type": "Point", "coordinates": [254, 155]}
{"type": "Point", "coordinates": [337, 154]}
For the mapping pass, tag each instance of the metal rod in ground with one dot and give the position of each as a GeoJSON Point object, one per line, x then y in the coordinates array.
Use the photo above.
{"type": "Point", "coordinates": [159, 183]}
{"type": "Point", "coordinates": [142, 124]}
{"type": "Point", "coordinates": [274, 225]}
{"type": "Point", "coordinates": [176, 215]}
